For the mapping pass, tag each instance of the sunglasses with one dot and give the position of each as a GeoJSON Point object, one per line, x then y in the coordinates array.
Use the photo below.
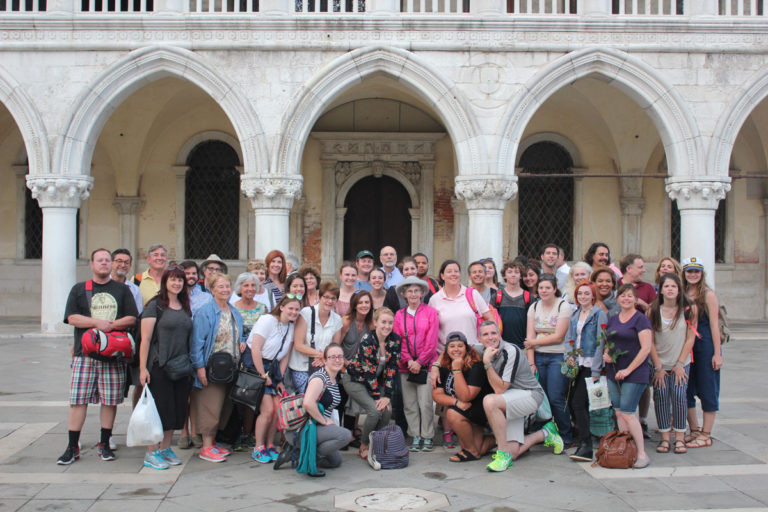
{"type": "Point", "coordinates": [174, 266]}
{"type": "Point", "coordinates": [486, 259]}
{"type": "Point", "coordinates": [292, 296]}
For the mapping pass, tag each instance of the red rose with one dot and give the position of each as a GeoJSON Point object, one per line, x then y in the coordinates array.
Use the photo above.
{"type": "Point", "coordinates": [603, 326]}
{"type": "Point", "coordinates": [571, 342]}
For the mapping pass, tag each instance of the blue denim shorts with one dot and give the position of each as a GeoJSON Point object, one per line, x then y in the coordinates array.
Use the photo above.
{"type": "Point", "coordinates": [625, 396]}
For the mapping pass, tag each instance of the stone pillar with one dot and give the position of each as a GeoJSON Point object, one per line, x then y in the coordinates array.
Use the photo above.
{"type": "Point", "coordinates": [59, 197]}
{"type": "Point", "coordinates": [697, 201]}
{"type": "Point", "coordinates": [632, 204]}
{"type": "Point", "coordinates": [485, 197]}
{"type": "Point", "coordinates": [128, 208]}
{"type": "Point", "coordinates": [701, 8]}
{"type": "Point", "coordinates": [272, 198]}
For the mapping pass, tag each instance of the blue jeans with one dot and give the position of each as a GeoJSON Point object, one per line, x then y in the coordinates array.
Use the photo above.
{"type": "Point", "coordinates": [555, 385]}
{"type": "Point", "coordinates": [626, 396]}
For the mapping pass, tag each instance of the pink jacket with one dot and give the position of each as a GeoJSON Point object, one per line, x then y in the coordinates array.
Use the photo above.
{"type": "Point", "coordinates": [422, 333]}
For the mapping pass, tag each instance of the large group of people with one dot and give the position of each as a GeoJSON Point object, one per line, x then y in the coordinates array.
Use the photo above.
{"type": "Point", "coordinates": [499, 365]}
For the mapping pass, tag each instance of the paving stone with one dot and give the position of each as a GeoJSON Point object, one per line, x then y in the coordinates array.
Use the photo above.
{"type": "Point", "coordinates": [71, 491]}
{"type": "Point", "coordinates": [135, 492]}
{"type": "Point", "coordinates": [56, 505]}
{"type": "Point", "coordinates": [19, 491]}
{"type": "Point", "coordinates": [135, 506]}
{"type": "Point", "coordinates": [11, 505]}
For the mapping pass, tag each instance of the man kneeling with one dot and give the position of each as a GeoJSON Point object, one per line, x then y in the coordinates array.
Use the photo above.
{"type": "Point", "coordinates": [517, 394]}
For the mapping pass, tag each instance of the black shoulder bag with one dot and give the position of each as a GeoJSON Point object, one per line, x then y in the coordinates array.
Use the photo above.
{"type": "Point", "coordinates": [310, 367]}
{"type": "Point", "coordinates": [221, 366]}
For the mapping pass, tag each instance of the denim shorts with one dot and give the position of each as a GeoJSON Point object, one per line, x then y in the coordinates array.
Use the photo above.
{"type": "Point", "coordinates": [625, 396]}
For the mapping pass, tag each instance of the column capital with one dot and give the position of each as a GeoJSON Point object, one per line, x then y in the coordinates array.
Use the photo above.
{"type": "Point", "coordinates": [700, 194]}
{"type": "Point", "coordinates": [268, 191]}
{"type": "Point", "coordinates": [128, 205]}
{"type": "Point", "coordinates": [53, 190]}
{"type": "Point", "coordinates": [486, 191]}
{"type": "Point", "coordinates": [631, 205]}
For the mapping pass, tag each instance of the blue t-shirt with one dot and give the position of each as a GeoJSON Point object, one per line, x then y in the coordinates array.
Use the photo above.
{"type": "Point", "coordinates": [624, 336]}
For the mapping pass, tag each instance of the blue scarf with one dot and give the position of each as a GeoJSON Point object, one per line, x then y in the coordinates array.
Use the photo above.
{"type": "Point", "coordinates": [308, 455]}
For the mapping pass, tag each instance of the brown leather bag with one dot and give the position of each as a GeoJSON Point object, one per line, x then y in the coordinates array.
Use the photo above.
{"type": "Point", "coordinates": [616, 450]}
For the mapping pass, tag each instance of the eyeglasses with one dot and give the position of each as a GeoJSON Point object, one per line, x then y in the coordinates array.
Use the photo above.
{"type": "Point", "coordinates": [546, 276]}
{"type": "Point", "coordinates": [335, 358]}
{"type": "Point", "coordinates": [330, 298]}
{"type": "Point", "coordinates": [292, 296]}
{"type": "Point", "coordinates": [122, 262]}
{"type": "Point", "coordinates": [175, 267]}
{"type": "Point", "coordinates": [213, 269]}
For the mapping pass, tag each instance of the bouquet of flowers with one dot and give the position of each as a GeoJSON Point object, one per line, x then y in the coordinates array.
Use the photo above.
{"type": "Point", "coordinates": [570, 366]}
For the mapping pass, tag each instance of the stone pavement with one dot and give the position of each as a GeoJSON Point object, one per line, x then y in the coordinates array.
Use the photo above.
{"type": "Point", "coordinates": [34, 373]}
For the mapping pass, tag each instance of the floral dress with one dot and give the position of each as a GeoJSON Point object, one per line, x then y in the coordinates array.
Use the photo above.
{"type": "Point", "coordinates": [363, 367]}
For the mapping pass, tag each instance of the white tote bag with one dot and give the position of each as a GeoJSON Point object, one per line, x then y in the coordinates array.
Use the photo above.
{"type": "Point", "coordinates": [599, 398]}
{"type": "Point", "coordinates": [145, 427]}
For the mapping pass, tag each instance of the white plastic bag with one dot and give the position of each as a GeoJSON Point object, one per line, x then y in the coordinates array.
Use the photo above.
{"type": "Point", "coordinates": [145, 427]}
{"type": "Point", "coordinates": [599, 398]}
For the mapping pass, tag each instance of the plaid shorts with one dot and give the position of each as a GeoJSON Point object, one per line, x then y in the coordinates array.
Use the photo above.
{"type": "Point", "coordinates": [96, 382]}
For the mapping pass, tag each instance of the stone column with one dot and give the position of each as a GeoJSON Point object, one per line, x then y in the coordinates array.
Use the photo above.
{"type": "Point", "coordinates": [594, 7]}
{"type": "Point", "coordinates": [272, 198]}
{"type": "Point", "coordinates": [702, 8]}
{"type": "Point", "coordinates": [128, 208]}
{"type": "Point", "coordinates": [632, 204]}
{"type": "Point", "coordinates": [697, 201]}
{"type": "Point", "coordinates": [59, 197]}
{"type": "Point", "coordinates": [485, 197]}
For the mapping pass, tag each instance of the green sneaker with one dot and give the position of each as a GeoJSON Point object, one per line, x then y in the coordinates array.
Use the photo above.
{"type": "Point", "coordinates": [553, 437]}
{"type": "Point", "coordinates": [501, 461]}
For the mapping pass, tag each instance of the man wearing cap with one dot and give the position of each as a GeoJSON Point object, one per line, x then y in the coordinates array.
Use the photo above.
{"type": "Point", "coordinates": [388, 257]}
{"type": "Point", "coordinates": [212, 265]}
{"type": "Point", "coordinates": [515, 395]}
{"type": "Point", "coordinates": [364, 265]}
{"type": "Point", "coordinates": [157, 258]}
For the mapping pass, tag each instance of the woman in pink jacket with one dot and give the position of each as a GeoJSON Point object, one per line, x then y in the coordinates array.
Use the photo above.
{"type": "Point", "coordinates": [417, 325]}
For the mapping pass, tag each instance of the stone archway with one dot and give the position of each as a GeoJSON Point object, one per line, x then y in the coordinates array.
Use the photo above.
{"type": "Point", "coordinates": [347, 158]}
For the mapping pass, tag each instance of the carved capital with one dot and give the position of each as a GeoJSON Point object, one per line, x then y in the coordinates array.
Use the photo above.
{"type": "Point", "coordinates": [55, 191]}
{"type": "Point", "coordinates": [486, 192]}
{"type": "Point", "coordinates": [128, 205]}
{"type": "Point", "coordinates": [267, 191]}
{"type": "Point", "coordinates": [697, 194]}
{"type": "Point", "coordinates": [631, 205]}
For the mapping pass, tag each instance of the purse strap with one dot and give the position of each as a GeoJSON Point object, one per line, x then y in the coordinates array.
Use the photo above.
{"type": "Point", "coordinates": [311, 329]}
{"type": "Point", "coordinates": [414, 355]}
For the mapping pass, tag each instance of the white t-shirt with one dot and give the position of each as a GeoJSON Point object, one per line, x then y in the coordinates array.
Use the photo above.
{"type": "Point", "coordinates": [545, 323]}
{"type": "Point", "coordinates": [272, 330]}
{"type": "Point", "coordinates": [323, 336]}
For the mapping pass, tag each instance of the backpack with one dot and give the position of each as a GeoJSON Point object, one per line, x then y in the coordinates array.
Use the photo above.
{"type": "Point", "coordinates": [387, 448]}
{"type": "Point", "coordinates": [499, 296]}
{"type": "Point", "coordinates": [494, 311]}
{"type": "Point", "coordinates": [106, 346]}
{"type": "Point", "coordinates": [616, 450]}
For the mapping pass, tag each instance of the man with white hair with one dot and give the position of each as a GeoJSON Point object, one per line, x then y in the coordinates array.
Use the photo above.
{"type": "Point", "coordinates": [388, 257]}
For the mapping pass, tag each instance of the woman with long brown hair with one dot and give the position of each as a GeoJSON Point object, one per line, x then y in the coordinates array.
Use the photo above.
{"type": "Point", "coordinates": [276, 274]}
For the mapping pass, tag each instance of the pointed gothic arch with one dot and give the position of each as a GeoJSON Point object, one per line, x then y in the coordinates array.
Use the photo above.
{"type": "Point", "coordinates": [675, 124]}
{"type": "Point", "coordinates": [352, 68]}
{"type": "Point", "coordinates": [137, 69]}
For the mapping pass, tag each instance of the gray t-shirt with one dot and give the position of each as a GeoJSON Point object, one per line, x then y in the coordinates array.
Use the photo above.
{"type": "Point", "coordinates": [521, 377]}
{"type": "Point", "coordinates": [173, 330]}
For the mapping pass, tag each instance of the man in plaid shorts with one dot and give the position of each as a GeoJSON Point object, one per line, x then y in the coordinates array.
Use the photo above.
{"type": "Point", "coordinates": [111, 308]}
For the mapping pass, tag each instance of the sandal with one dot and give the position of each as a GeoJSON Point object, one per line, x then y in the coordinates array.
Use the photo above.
{"type": "Point", "coordinates": [463, 456]}
{"type": "Point", "coordinates": [664, 446]}
{"type": "Point", "coordinates": [693, 435]}
{"type": "Point", "coordinates": [702, 441]}
{"type": "Point", "coordinates": [680, 446]}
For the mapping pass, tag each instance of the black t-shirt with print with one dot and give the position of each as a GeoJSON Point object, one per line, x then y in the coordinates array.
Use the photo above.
{"type": "Point", "coordinates": [111, 301]}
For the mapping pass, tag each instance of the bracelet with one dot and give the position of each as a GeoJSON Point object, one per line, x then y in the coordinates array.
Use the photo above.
{"type": "Point", "coordinates": [456, 371]}
{"type": "Point", "coordinates": [489, 365]}
{"type": "Point", "coordinates": [435, 365]}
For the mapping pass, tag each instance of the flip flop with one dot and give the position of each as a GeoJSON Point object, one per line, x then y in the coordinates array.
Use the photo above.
{"type": "Point", "coordinates": [463, 456]}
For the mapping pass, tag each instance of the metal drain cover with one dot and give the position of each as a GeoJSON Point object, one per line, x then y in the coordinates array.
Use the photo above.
{"type": "Point", "coordinates": [390, 499]}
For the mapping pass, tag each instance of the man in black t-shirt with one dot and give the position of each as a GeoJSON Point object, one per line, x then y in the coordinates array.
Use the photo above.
{"type": "Point", "coordinates": [110, 307]}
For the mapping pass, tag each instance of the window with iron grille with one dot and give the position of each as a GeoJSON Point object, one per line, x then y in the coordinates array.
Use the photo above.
{"type": "Point", "coordinates": [719, 232]}
{"type": "Point", "coordinates": [33, 228]}
{"type": "Point", "coordinates": [545, 207]}
{"type": "Point", "coordinates": [212, 207]}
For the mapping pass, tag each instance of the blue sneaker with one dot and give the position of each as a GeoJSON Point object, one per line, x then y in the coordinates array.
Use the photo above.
{"type": "Point", "coordinates": [273, 454]}
{"type": "Point", "coordinates": [261, 455]}
{"type": "Point", "coordinates": [155, 460]}
{"type": "Point", "coordinates": [170, 457]}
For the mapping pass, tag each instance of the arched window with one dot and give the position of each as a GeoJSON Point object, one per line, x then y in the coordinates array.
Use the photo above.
{"type": "Point", "coordinates": [545, 207]}
{"type": "Point", "coordinates": [719, 231]}
{"type": "Point", "coordinates": [212, 187]}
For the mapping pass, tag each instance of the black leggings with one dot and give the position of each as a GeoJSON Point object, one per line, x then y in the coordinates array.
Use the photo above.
{"type": "Point", "coordinates": [579, 403]}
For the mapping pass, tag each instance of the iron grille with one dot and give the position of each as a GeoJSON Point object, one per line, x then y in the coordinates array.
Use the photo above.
{"type": "Point", "coordinates": [33, 227]}
{"type": "Point", "coordinates": [212, 212]}
{"type": "Point", "coordinates": [719, 232]}
{"type": "Point", "coordinates": [545, 210]}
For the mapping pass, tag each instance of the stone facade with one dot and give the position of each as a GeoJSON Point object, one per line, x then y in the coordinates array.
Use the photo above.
{"type": "Point", "coordinates": [101, 111]}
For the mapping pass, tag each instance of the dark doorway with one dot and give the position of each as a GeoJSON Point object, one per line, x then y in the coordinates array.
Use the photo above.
{"type": "Point", "coordinates": [377, 215]}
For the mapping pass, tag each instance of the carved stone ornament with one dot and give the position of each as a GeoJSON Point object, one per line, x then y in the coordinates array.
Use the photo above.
{"type": "Point", "coordinates": [697, 194]}
{"type": "Point", "coordinates": [486, 192]}
{"type": "Point", "coordinates": [267, 191]}
{"type": "Point", "coordinates": [55, 191]}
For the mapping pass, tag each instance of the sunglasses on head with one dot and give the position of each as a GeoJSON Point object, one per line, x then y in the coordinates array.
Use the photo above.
{"type": "Point", "coordinates": [292, 296]}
